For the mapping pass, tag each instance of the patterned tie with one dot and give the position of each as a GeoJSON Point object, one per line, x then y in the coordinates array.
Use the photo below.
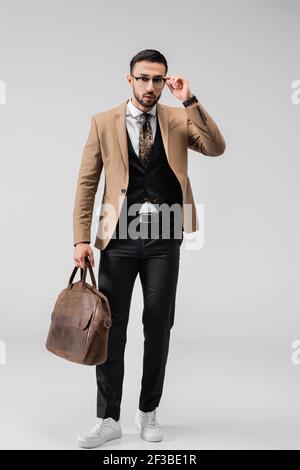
{"type": "Point", "coordinates": [146, 141]}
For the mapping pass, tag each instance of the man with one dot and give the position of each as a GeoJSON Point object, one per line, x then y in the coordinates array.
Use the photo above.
{"type": "Point", "coordinates": [142, 147]}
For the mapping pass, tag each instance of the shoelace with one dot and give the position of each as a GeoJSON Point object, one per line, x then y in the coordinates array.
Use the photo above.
{"type": "Point", "coordinates": [94, 427]}
{"type": "Point", "coordinates": [97, 425]}
{"type": "Point", "coordinates": [150, 418]}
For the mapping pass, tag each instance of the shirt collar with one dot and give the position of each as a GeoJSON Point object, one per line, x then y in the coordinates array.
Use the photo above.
{"type": "Point", "coordinates": [136, 112]}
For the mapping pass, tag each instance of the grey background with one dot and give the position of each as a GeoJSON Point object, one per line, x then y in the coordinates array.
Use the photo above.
{"type": "Point", "coordinates": [230, 381]}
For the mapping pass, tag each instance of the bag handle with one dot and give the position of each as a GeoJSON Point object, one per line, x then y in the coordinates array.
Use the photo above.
{"type": "Point", "coordinates": [83, 274]}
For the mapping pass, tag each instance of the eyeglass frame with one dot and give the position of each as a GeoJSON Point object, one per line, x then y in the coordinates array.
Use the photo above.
{"type": "Point", "coordinates": [151, 78]}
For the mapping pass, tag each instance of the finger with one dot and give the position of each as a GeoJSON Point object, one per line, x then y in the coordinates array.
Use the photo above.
{"type": "Point", "coordinates": [169, 79]}
{"type": "Point", "coordinates": [92, 261]}
{"type": "Point", "coordinates": [179, 81]}
{"type": "Point", "coordinates": [170, 87]}
{"type": "Point", "coordinates": [177, 78]}
{"type": "Point", "coordinates": [82, 263]}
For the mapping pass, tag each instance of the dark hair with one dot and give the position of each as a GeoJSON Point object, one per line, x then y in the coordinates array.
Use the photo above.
{"type": "Point", "coordinates": [148, 54]}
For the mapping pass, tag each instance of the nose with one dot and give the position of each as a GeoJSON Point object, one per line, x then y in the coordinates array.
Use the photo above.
{"type": "Point", "coordinates": [150, 86]}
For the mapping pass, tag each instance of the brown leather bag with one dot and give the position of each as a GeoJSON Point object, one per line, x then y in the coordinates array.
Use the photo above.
{"type": "Point", "coordinates": [80, 322]}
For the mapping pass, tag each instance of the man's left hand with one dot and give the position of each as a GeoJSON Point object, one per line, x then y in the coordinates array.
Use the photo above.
{"type": "Point", "coordinates": [179, 87]}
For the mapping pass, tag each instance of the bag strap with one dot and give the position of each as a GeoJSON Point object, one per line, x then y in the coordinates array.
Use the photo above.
{"type": "Point", "coordinates": [83, 274]}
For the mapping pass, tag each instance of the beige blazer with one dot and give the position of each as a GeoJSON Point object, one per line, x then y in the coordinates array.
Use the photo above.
{"type": "Point", "coordinates": [106, 149]}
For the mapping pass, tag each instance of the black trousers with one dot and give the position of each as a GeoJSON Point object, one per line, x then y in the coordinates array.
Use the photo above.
{"type": "Point", "coordinates": [156, 260]}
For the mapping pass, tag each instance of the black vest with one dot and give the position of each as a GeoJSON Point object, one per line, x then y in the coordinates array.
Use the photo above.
{"type": "Point", "coordinates": [156, 183]}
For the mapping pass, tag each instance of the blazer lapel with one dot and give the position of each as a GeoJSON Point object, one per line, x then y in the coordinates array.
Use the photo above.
{"type": "Point", "coordinates": [120, 123]}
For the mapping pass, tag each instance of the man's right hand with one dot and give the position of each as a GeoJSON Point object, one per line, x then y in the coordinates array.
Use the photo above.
{"type": "Point", "coordinates": [81, 251]}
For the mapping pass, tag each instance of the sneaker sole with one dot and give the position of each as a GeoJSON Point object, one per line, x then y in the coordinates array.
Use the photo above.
{"type": "Point", "coordinates": [151, 439]}
{"type": "Point", "coordinates": [96, 443]}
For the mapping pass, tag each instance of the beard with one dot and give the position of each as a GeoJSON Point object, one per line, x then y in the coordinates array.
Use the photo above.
{"type": "Point", "coordinates": [143, 101]}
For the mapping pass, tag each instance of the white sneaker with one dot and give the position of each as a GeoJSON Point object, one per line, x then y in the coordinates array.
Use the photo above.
{"type": "Point", "coordinates": [148, 425]}
{"type": "Point", "coordinates": [100, 431]}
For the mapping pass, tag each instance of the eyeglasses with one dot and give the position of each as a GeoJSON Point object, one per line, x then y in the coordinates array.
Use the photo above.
{"type": "Point", "coordinates": [158, 82]}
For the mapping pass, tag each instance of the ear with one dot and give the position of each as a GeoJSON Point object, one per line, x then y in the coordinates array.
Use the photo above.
{"type": "Point", "coordinates": [129, 79]}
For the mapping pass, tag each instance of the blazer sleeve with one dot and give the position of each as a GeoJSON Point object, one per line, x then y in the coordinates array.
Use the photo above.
{"type": "Point", "coordinates": [204, 135]}
{"type": "Point", "coordinates": [87, 185]}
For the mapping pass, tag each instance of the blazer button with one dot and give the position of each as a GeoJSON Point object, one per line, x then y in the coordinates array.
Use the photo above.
{"type": "Point", "coordinates": [123, 191]}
